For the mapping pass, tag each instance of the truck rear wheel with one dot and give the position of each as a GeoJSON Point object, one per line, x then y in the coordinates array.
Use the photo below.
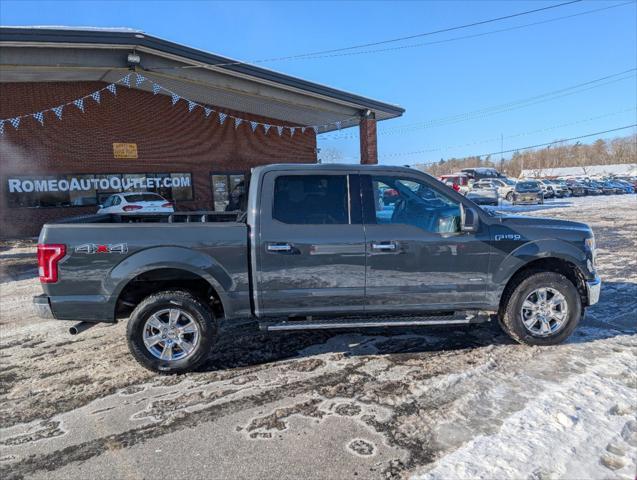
{"type": "Point", "coordinates": [171, 332]}
{"type": "Point", "coordinates": [543, 309]}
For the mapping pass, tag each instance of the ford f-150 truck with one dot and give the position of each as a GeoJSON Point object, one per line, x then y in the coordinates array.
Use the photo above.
{"type": "Point", "coordinates": [317, 248]}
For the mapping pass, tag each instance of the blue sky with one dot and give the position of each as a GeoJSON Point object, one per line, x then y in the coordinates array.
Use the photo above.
{"type": "Point", "coordinates": [431, 81]}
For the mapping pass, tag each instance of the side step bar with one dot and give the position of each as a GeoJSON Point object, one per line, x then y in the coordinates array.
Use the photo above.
{"type": "Point", "coordinates": [458, 318]}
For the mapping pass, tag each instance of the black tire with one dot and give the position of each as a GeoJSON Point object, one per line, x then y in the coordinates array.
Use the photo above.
{"type": "Point", "coordinates": [511, 317]}
{"type": "Point", "coordinates": [191, 305]}
{"type": "Point", "coordinates": [509, 196]}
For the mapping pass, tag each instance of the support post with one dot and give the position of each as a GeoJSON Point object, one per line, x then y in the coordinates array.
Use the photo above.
{"type": "Point", "coordinates": [368, 140]}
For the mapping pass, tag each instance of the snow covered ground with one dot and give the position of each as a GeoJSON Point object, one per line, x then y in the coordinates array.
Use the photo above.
{"type": "Point", "coordinates": [421, 403]}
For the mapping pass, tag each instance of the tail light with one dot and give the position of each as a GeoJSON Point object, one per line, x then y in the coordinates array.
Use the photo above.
{"type": "Point", "coordinates": [167, 205]}
{"type": "Point", "coordinates": [131, 208]}
{"type": "Point", "coordinates": [48, 257]}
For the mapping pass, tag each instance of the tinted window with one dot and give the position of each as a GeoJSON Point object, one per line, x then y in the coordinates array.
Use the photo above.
{"type": "Point", "coordinates": [311, 199]}
{"type": "Point", "coordinates": [527, 186]}
{"type": "Point", "coordinates": [414, 203]}
{"type": "Point", "coordinates": [143, 197]}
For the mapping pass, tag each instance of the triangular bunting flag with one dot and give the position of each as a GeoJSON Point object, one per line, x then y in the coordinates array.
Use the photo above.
{"type": "Point", "coordinates": [15, 122]}
{"type": "Point", "coordinates": [2, 127]}
{"type": "Point", "coordinates": [39, 116]}
{"type": "Point", "coordinates": [266, 127]}
{"type": "Point", "coordinates": [156, 89]}
{"type": "Point", "coordinates": [315, 128]}
{"type": "Point", "coordinates": [292, 130]}
{"type": "Point", "coordinates": [191, 105]}
{"type": "Point", "coordinates": [126, 80]}
{"type": "Point", "coordinates": [222, 117]}
{"type": "Point", "coordinates": [279, 129]}
{"type": "Point", "coordinates": [338, 125]}
{"type": "Point", "coordinates": [254, 125]}
{"type": "Point", "coordinates": [237, 122]}
{"type": "Point", "coordinates": [79, 103]}
{"type": "Point", "coordinates": [139, 79]}
{"type": "Point", "coordinates": [96, 96]}
{"type": "Point", "coordinates": [174, 97]}
{"type": "Point", "coordinates": [111, 88]}
{"type": "Point", "coordinates": [207, 111]}
{"type": "Point", "coordinates": [302, 129]}
{"type": "Point", "coordinates": [58, 111]}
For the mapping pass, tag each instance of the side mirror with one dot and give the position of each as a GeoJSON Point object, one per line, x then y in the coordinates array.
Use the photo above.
{"type": "Point", "coordinates": [469, 219]}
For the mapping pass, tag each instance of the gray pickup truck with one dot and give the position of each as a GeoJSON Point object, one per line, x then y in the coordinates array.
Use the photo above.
{"type": "Point", "coordinates": [317, 248]}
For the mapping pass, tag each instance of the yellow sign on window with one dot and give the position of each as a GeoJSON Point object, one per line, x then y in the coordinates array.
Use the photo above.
{"type": "Point", "coordinates": [125, 150]}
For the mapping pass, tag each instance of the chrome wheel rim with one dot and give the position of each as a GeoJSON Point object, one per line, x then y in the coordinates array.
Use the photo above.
{"type": "Point", "coordinates": [171, 334]}
{"type": "Point", "coordinates": [544, 312]}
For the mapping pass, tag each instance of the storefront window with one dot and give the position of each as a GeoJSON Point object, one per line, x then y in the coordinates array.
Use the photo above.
{"type": "Point", "coordinates": [88, 190]}
{"type": "Point", "coordinates": [229, 191]}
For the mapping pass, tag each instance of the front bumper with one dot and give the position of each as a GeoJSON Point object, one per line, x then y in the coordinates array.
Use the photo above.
{"type": "Point", "coordinates": [42, 307]}
{"type": "Point", "coordinates": [593, 288]}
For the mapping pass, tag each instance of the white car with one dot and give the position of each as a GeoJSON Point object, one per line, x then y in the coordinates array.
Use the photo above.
{"type": "Point", "coordinates": [503, 185]}
{"type": "Point", "coordinates": [136, 202]}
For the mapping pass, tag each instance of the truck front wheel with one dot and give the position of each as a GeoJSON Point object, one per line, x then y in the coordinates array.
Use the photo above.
{"type": "Point", "coordinates": [171, 332]}
{"type": "Point", "coordinates": [543, 309]}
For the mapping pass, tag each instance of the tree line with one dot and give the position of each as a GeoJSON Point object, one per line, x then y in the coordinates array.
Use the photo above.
{"type": "Point", "coordinates": [601, 152]}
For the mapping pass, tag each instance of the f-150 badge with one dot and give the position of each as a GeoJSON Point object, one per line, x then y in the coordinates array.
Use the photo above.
{"type": "Point", "coordinates": [92, 248]}
{"type": "Point", "coordinates": [507, 236]}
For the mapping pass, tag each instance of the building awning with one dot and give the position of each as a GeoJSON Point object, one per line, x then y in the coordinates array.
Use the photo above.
{"type": "Point", "coordinates": [43, 54]}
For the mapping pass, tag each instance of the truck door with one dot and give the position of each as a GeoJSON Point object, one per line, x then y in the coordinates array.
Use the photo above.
{"type": "Point", "coordinates": [310, 247]}
{"type": "Point", "coordinates": [417, 257]}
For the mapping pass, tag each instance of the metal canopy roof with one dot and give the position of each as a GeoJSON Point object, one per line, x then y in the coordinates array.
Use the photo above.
{"type": "Point", "coordinates": [41, 54]}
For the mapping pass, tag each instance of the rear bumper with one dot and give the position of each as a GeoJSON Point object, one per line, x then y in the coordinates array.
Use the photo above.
{"type": "Point", "coordinates": [42, 307]}
{"type": "Point", "coordinates": [593, 288]}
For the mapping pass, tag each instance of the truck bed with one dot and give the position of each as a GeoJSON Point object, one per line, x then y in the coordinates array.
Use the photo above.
{"type": "Point", "coordinates": [105, 253]}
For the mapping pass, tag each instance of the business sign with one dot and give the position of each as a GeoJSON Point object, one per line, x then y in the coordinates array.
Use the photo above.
{"type": "Point", "coordinates": [125, 150]}
{"type": "Point", "coordinates": [85, 183]}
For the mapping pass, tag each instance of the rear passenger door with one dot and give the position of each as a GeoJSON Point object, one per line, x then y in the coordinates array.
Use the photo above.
{"type": "Point", "coordinates": [311, 244]}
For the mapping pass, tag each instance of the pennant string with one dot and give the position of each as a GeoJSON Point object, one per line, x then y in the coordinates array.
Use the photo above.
{"type": "Point", "coordinates": [157, 88]}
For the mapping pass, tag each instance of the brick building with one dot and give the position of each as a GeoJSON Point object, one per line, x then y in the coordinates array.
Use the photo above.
{"type": "Point", "coordinates": [139, 138]}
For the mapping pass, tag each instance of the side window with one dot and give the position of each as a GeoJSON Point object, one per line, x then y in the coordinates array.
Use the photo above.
{"type": "Point", "coordinates": [116, 201]}
{"type": "Point", "coordinates": [108, 202]}
{"type": "Point", "coordinates": [411, 202]}
{"type": "Point", "coordinates": [311, 199]}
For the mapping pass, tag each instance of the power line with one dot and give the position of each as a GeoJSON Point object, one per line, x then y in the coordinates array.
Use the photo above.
{"type": "Point", "coordinates": [426, 34]}
{"type": "Point", "coordinates": [333, 52]}
{"type": "Point", "coordinates": [504, 107]}
{"type": "Point", "coordinates": [501, 138]}
{"type": "Point", "coordinates": [447, 40]}
{"type": "Point", "coordinates": [548, 143]}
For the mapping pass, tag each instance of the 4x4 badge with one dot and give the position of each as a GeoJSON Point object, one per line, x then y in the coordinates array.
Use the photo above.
{"type": "Point", "coordinates": [92, 248]}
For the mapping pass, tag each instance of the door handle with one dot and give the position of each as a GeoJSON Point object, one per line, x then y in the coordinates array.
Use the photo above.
{"type": "Point", "coordinates": [384, 246]}
{"type": "Point", "coordinates": [279, 247]}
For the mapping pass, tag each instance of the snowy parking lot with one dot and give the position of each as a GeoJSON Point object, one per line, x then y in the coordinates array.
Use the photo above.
{"type": "Point", "coordinates": [423, 403]}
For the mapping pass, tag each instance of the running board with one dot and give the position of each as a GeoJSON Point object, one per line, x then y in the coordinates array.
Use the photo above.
{"type": "Point", "coordinates": [458, 318]}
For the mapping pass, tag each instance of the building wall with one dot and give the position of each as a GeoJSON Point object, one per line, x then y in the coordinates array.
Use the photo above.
{"type": "Point", "coordinates": [169, 139]}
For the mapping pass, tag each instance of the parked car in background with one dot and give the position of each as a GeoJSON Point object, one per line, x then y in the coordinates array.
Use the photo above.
{"type": "Point", "coordinates": [547, 189]}
{"type": "Point", "coordinates": [605, 188]}
{"type": "Point", "coordinates": [504, 186]}
{"type": "Point", "coordinates": [136, 202]}
{"type": "Point", "coordinates": [389, 196]}
{"type": "Point", "coordinates": [480, 173]}
{"type": "Point", "coordinates": [458, 181]}
{"type": "Point", "coordinates": [484, 193]}
{"type": "Point", "coordinates": [575, 188]}
{"type": "Point", "coordinates": [559, 188]}
{"type": "Point", "coordinates": [592, 189]}
{"type": "Point", "coordinates": [528, 192]}
{"type": "Point", "coordinates": [622, 187]}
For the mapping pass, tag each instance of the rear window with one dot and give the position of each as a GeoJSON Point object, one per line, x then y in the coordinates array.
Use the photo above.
{"type": "Point", "coordinates": [311, 199]}
{"type": "Point", "coordinates": [527, 186]}
{"type": "Point", "coordinates": [144, 197]}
